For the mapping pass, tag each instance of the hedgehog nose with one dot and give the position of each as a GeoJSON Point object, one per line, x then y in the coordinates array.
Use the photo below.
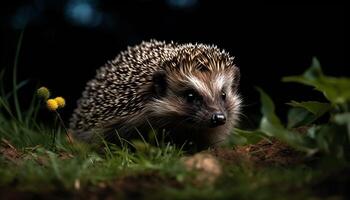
{"type": "Point", "coordinates": [218, 119]}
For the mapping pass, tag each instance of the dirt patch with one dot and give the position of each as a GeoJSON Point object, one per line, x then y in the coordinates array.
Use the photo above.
{"type": "Point", "coordinates": [229, 155]}
{"type": "Point", "coordinates": [15, 193]}
{"type": "Point", "coordinates": [264, 153]}
{"type": "Point", "coordinates": [135, 186]}
{"type": "Point", "coordinates": [17, 156]}
{"type": "Point", "coordinates": [272, 152]}
{"type": "Point", "coordinates": [9, 152]}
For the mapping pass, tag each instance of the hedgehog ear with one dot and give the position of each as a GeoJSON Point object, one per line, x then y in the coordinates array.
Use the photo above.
{"type": "Point", "coordinates": [159, 83]}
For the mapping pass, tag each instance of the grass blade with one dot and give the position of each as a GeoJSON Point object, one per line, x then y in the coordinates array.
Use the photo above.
{"type": "Point", "coordinates": [4, 104]}
{"type": "Point", "coordinates": [18, 87]}
{"type": "Point", "coordinates": [14, 78]}
{"type": "Point", "coordinates": [2, 88]}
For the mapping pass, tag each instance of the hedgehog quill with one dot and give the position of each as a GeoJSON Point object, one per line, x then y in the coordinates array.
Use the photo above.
{"type": "Point", "coordinates": [189, 91]}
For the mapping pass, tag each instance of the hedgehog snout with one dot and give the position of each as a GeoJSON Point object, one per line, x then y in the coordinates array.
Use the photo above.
{"type": "Point", "coordinates": [217, 119]}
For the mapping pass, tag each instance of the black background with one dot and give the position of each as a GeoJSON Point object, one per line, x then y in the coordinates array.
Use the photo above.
{"type": "Point", "coordinates": [268, 40]}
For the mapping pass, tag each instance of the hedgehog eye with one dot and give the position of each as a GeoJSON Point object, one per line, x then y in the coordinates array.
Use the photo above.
{"type": "Point", "coordinates": [191, 96]}
{"type": "Point", "coordinates": [223, 95]}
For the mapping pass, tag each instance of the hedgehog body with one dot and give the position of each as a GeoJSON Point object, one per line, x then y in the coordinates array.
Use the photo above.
{"type": "Point", "coordinates": [186, 90]}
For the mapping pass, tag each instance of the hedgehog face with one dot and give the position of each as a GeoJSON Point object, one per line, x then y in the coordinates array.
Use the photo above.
{"type": "Point", "coordinates": [199, 98]}
{"type": "Point", "coordinates": [207, 100]}
{"type": "Point", "coordinates": [203, 110]}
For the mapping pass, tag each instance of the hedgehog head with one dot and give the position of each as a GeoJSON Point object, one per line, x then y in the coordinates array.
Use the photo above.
{"type": "Point", "coordinates": [197, 89]}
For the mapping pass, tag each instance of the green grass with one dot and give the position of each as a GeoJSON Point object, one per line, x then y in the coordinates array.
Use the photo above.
{"type": "Point", "coordinates": [41, 167]}
{"type": "Point", "coordinates": [33, 164]}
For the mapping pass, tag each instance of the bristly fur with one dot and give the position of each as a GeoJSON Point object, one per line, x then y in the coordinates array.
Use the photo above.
{"type": "Point", "coordinates": [145, 85]}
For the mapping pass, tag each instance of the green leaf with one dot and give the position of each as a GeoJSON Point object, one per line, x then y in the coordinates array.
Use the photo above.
{"type": "Point", "coordinates": [271, 125]}
{"type": "Point", "coordinates": [314, 107]}
{"type": "Point", "coordinates": [299, 117]}
{"type": "Point", "coordinates": [249, 137]}
{"type": "Point", "coordinates": [315, 70]}
{"type": "Point", "coordinates": [336, 90]}
{"type": "Point", "coordinates": [268, 110]}
{"type": "Point", "coordinates": [342, 118]}
{"type": "Point", "coordinates": [237, 139]}
{"type": "Point", "coordinates": [331, 139]}
{"type": "Point", "coordinates": [309, 77]}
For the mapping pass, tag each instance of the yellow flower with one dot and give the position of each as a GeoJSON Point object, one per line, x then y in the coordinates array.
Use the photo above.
{"type": "Point", "coordinates": [52, 104]}
{"type": "Point", "coordinates": [43, 92]}
{"type": "Point", "coordinates": [60, 102]}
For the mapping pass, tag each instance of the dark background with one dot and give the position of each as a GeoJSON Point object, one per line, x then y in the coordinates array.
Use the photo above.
{"type": "Point", "coordinates": [66, 41]}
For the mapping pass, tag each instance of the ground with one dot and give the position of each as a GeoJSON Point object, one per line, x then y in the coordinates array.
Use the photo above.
{"type": "Point", "coordinates": [266, 170]}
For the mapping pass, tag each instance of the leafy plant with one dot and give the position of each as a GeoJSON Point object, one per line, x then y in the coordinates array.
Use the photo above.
{"type": "Point", "coordinates": [331, 138]}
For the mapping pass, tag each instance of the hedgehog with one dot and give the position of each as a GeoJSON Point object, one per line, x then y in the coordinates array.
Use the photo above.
{"type": "Point", "coordinates": [188, 91]}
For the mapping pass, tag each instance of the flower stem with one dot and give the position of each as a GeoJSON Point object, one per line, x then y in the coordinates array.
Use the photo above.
{"type": "Point", "coordinates": [65, 129]}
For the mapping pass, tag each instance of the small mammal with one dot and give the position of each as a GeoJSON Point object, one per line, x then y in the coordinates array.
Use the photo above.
{"type": "Point", "coordinates": [190, 91]}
